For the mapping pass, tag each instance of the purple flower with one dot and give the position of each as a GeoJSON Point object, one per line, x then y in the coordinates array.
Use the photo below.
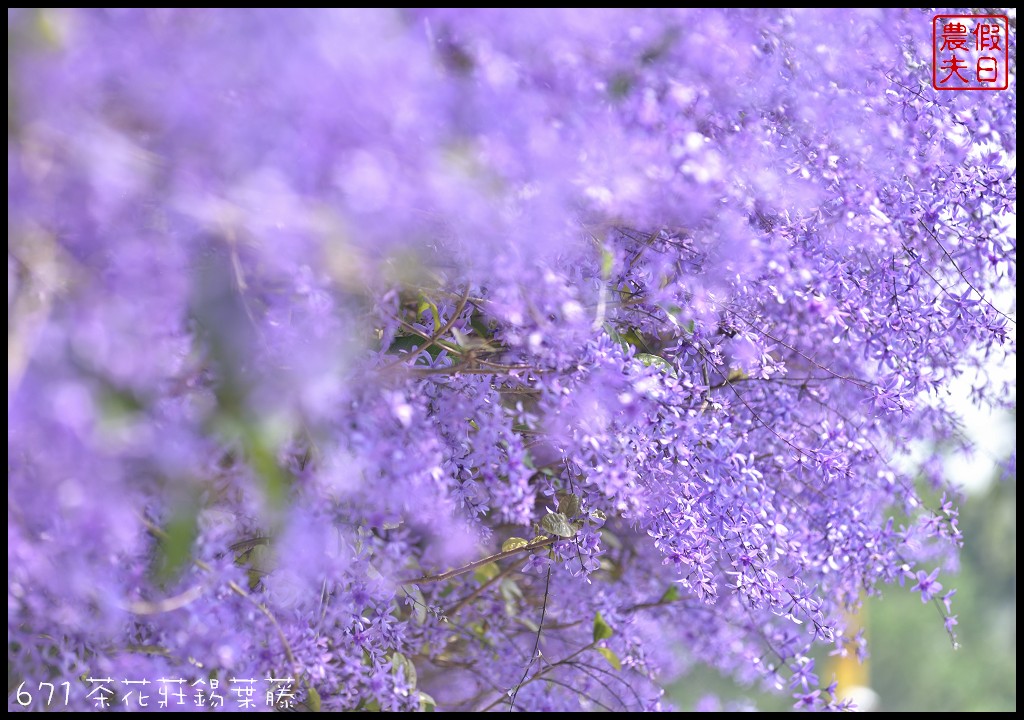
{"type": "Point", "coordinates": [309, 310]}
{"type": "Point", "coordinates": [927, 585]}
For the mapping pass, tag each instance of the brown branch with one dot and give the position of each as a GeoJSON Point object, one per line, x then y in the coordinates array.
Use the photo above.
{"type": "Point", "coordinates": [856, 381]}
{"type": "Point", "coordinates": [564, 661]}
{"type": "Point", "coordinates": [536, 643]}
{"type": "Point", "coordinates": [238, 590]}
{"type": "Point", "coordinates": [949, 257]}
{"type": "Point", "coordinates": [479, 591]}
{"type": "Point", "coordinates": [448, 574]}
{"type": "Point", "coordinates": [434, 340]}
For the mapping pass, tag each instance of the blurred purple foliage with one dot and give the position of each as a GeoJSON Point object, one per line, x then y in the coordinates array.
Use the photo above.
{"type": "Point", "coordinates": [306, 308]}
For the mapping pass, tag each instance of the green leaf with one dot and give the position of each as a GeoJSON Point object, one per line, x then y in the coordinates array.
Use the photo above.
{"type": "Point", "coordinates": [569, 505]}
{"type": "Point", "coordinates": [424, 305]}
{"type": "Point", "coordinates": [658, 362]}
{"type": "Point", "coordinates": [610, 539]}
{"type": "Point", "coordinates": [118, 408]}
{"type": "Point", "coordinates": [528, 624]}
{"type": "Point", "coordinates": [313, 700]}
{"type": "Point", "coordinates": [736, 374]}
{"type": "Point", "coordinates": [607, 263]}
{"type": "Point", "coordinates": [404, 342]}
{"type": "Point", "coordinates": [615, 336]}
{"type": "Point", "coordinates": [419, 605]}
{"type": "Point", "coordinates": [486, 572]}
{"type": "Point", "coordinates": [598, 515]}
{"type": "Point", "coordinates": [510, 590]}
{"type": "Point", "coordinates": [400, 663]}
{"type": "Point", "coordinates": [602, 630]}
{"type": "Point", "coordinates": [176, 543]}
{"type": "Point", "coordinates": [514, 543]}
{"type": "Point", "coordinates": [262, 559]}
{"type": "Point", "coordinates": [611, 657]}
{"type": "Point", "coordinates": [635, 338]}
{"type": "Point", "coordinates": [480, 325]}
{"type": "Point", "coordinates": [671, 595]}
{"type": "Point", "coordinates": [620, 85]}
{"type": "Point", "coordinates": [557, 524]}
{"type": "Point", "coordinates": [675, 313]}
{"type": "Point", "coordinates": [427, 703]}
{"type": "Point", "coordinates": [263, 460]}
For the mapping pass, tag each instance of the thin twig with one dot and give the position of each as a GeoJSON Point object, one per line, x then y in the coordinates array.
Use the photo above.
{"type": "Point", "coordinates": [448, 574]}
{"type": "Point", "coordinates": [536, 643]}
{"type": "Point", "coordinates": [238, 590]}
{"type": "Point", "coordinates": [564, 661]}
{"type": "Point", "coordinates": [148, 607]}
{"type": "Point", "coordinates": [479, 591]}
{"type": "Point", "coordinates": [431, 341]}
{"type": "Point", "coordinates": [949, 257]}
{"type": "Point", "coordinates": [860, 383]}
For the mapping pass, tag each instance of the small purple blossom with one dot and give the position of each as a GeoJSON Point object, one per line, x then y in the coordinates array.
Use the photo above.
{"type": "Point", "coordinates": [407, 352]}
{"type": "Point", "coordinates": [927, 585]}
{"type": "Point", "coordinates": [947, 600]}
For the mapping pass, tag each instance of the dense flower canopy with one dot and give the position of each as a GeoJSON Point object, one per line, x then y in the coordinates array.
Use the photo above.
{"type": "Point", "coordinates": [484, 359]}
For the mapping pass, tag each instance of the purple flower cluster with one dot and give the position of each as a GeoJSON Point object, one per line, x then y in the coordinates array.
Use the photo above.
{"type": "Point", "coordinates": [485, 359]}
